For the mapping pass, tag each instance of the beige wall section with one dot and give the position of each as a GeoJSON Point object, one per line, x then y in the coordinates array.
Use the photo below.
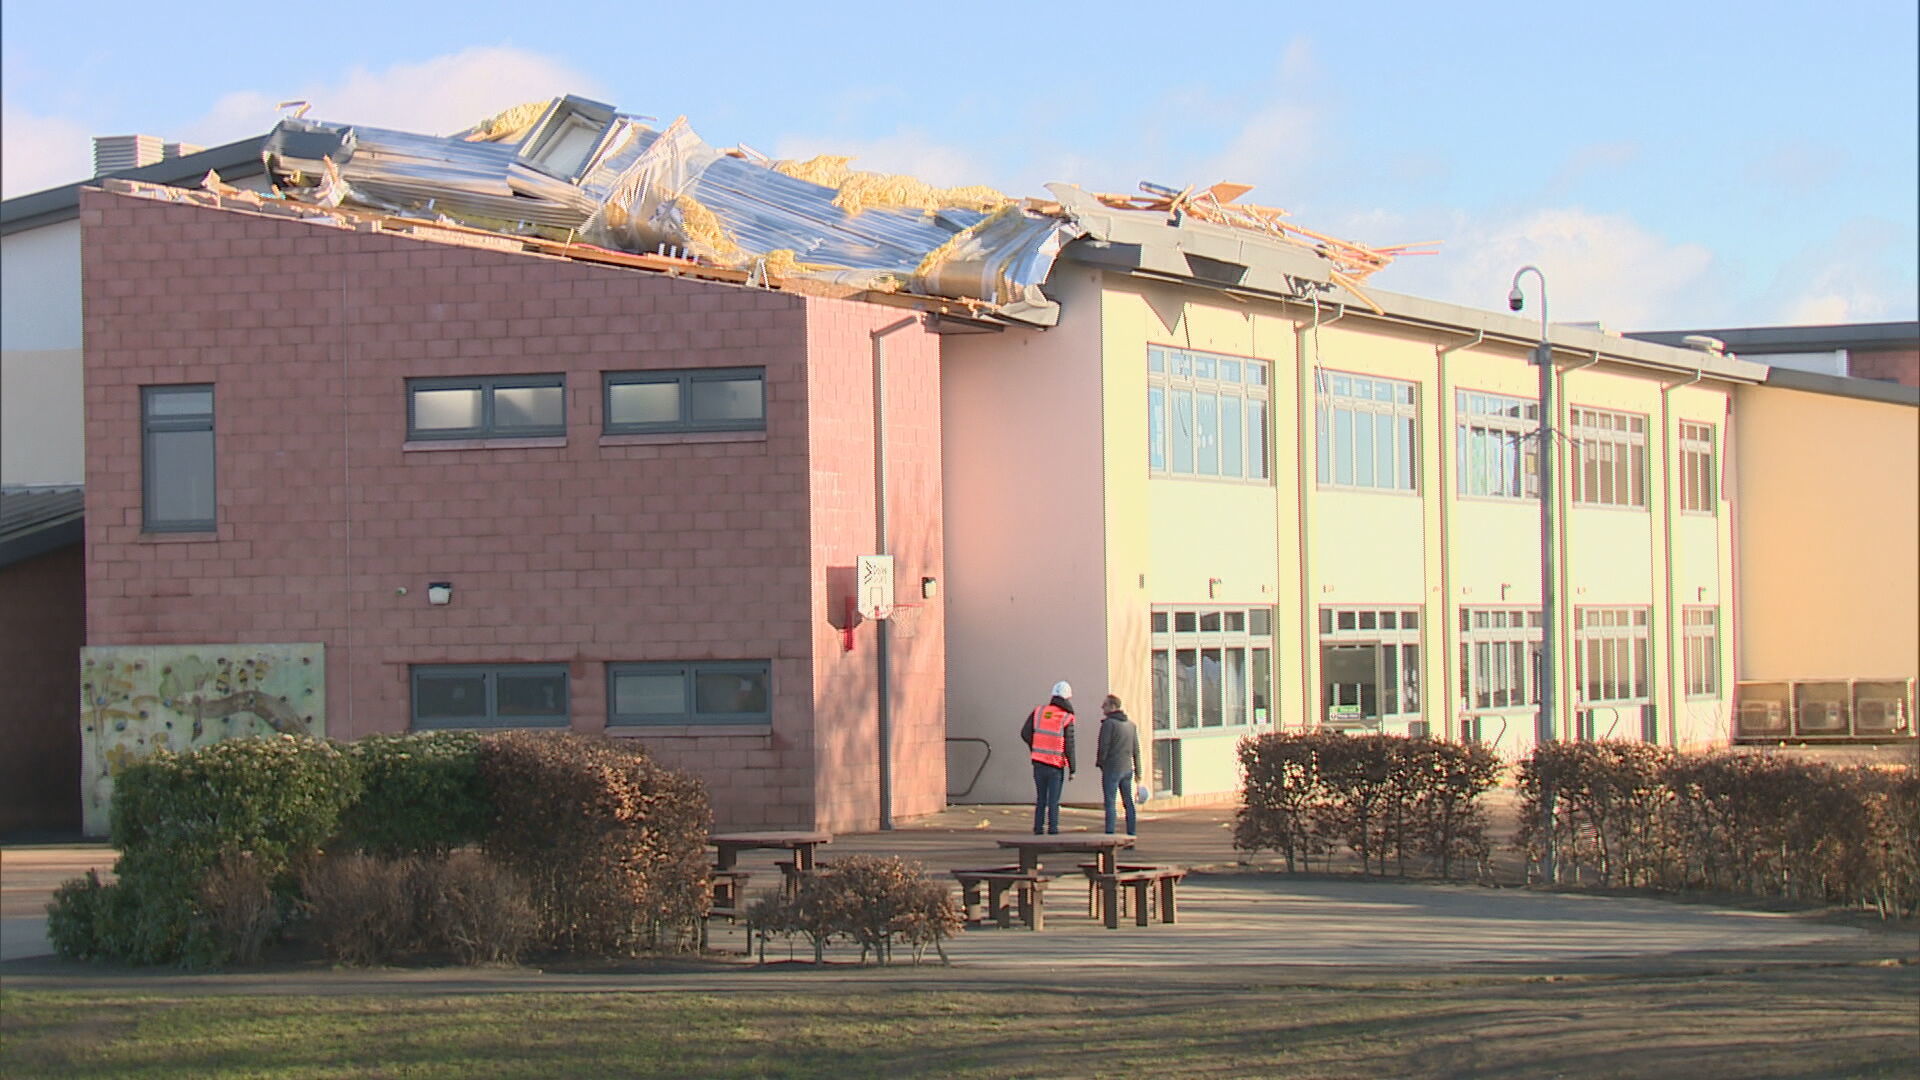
{"type": "Point", "coordinates": [1024, 517]}
{"type": "Point", "coordinates": [1826, 503]}
{"type": "Point", "coordinates": [1196, 542]}
{"type": "Point", "coordinates": [40, 385]}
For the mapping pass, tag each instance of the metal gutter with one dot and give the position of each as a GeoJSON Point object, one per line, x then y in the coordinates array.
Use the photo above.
{"type": "Point", "coordinates": [1760, 340]}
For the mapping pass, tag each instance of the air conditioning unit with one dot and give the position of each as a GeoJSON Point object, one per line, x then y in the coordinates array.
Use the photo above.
{"type": "Point", "coordinates": [1822, 718]}
{"type": "Point", "coordinates": [1762, 719]}
{"type": "Point", "coordinates": [1879, 716]}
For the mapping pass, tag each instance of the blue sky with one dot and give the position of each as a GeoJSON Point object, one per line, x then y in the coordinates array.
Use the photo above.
{"type": "Point", "coordinates": [1666, 164]}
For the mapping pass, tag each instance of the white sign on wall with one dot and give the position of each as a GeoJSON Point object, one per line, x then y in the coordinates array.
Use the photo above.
{"type": "Point", "coordinates": [873, 584]}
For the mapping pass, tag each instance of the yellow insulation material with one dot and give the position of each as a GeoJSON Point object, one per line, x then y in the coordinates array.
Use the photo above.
{"type": "Point", "coordinates": [859, 190]}
{"type": "Point", "coordinates": [705, 234]}
{"type": "Point", "coordinates": [508, 126]}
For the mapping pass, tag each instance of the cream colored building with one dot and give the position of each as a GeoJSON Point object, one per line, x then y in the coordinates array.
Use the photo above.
{"type": "Point", "coordinates": [1243, 500]}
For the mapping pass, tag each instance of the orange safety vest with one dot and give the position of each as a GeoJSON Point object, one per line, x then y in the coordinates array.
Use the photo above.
{"type": "Point", "coordinates": [1050, 735]}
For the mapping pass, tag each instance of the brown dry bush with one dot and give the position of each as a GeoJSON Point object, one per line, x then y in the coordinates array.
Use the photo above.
{"type": "Point", "coordinates": [474, 909]}
{"type": "Point", "coordinates": [237, 898]}
{"type": "Point", "coordinates": [867, 899]}
{"type": "Point", "coordinates": [360, 908]}
{"type": "Point", "coordinates": [611, 844]}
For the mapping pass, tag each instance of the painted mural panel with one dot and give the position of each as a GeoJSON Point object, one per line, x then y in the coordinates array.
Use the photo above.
{"type": "Point", "coordinates": [135, 699]}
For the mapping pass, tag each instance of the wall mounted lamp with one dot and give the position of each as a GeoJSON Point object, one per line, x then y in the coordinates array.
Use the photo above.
{"type": "Point", "coordinates": [929, 588]}
{"type": "Point", "coordinates": [440, 592]}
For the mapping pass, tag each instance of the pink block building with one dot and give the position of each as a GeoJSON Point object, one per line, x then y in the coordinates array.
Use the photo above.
{"type": "Point", "coordinates": [646, 495]}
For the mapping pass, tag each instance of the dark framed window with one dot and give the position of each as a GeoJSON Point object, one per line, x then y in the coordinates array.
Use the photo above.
{"type": "Point", "coordinates": [176, 458]}
{"type": "Point", "coordinates": [703, 399]}
{"type": "Point", "coordinates": [690, 692]}
{"type": "Point", "coordinates": [489, 696]}
{"type": "Point", "coordinates": [486, 407]}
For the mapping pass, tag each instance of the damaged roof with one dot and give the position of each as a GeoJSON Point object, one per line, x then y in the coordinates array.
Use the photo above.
{"type": "Point", "coordinates": [581, 178]}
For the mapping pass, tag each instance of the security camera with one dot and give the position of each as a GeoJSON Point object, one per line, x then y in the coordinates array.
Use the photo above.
{"type": "Point", "coordinates": [1515, 301]}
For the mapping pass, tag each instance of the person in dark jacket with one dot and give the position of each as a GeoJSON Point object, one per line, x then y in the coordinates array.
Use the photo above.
{"type": "Point", "coordinates": [1118, 757]}
{"type": "Point", "coordinates": [1048, 734]}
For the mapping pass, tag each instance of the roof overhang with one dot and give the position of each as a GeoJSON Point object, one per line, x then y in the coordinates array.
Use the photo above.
{"type": "Point", "coordinates": [234, 161]}
{"type": "Point", "coordinates": [35, 521]}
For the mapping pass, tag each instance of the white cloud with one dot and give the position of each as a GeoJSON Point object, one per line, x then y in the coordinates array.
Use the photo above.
{"type": "Point", "coordinates": [39, 152]}
{"type": "Point", "coordinates": [437, 96]}
{"type": "Point", "coordinates": [1858, 274]}
{"type": "Point", "coordinates": [1599, 267]}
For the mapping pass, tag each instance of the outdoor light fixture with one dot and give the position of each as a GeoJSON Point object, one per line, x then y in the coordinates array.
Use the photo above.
{"type": "Point", "coordinates": [440, 592]}
{"type": "Point", "coordinates": [929, 588]}
{"type": "Point", "coordinates": [1549, 555]}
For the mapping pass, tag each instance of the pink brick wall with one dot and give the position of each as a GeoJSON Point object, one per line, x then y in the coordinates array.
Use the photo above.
{"type": "Point", "coordinates": [585, 553]}
{"type": "Point", "coordinates": [1896, 365]}
{"type": "Point", "coordinates": [841, 346]}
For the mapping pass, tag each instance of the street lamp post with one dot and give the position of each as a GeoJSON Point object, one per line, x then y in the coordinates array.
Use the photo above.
{"type": "Point", "coordinates": [1549, 556]}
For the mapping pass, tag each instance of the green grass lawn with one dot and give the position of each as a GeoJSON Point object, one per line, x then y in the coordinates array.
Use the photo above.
{"type": "Point", "coordinates": [1824, 1022]}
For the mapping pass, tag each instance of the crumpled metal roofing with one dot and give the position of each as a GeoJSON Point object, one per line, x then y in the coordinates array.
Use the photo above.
{"type": "Point", "coordinates": [638, 189]}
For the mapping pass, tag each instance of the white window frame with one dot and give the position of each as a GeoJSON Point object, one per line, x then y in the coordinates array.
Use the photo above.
{"type": "Point", "coordinates": [1356, 401]}
{"type": "Point", "coordinates": [1698, 476]}
{"type": "Point", "coordinates": [1202, 629]}
{"type": "Point", "coordinates": [1178, 381]}
{"type": "Point", "coordinates": [1367, 624]}
{"type": "Point", "coordinates": [1500, 658]}
{"type": "Point", "coordinates": [1700, 648]}
{"type": "Point", "coordinates": [1608, 454]}
{"type": "Point", "coordinates": [1497, 445]}
{"type": "Point", "coordinates": [1613, 652]}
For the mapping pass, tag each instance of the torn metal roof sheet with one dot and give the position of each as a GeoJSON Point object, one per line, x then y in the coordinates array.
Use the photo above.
{"type": "Point", "coordinates": [577, 172]}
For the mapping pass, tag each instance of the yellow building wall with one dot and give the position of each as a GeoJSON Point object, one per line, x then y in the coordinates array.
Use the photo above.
{"type": "Point", "coordinates": [1826, 500]}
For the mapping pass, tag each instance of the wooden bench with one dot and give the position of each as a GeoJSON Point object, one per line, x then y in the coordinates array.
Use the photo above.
{"type": "Point", "coordinates": [983, 895]}
{"type": "Point", "coordinates": [729, 893]}
{"type": "Point", "coordinates": [1138, 880]}
{"type": "Point", "coordinates": [1092, 871]}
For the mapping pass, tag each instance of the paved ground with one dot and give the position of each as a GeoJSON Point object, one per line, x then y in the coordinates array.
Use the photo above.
{"type": "Point", "coordinates": [1233, 918]}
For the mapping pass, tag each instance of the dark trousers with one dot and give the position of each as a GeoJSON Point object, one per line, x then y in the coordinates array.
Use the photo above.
{"type": "Point", "coordinates": [1121, 783]}
{"type": "Point", "coordinates": [1047, 782]}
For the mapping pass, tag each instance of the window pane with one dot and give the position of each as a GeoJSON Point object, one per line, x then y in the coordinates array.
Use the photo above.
{"type": "Point", "coordinates": [1233, 621]}
{"type": "Point", "coordinates": [648, 693]}
{"type": "Point", "coordinates": [730, 691]}
{"type": "Point", "coordinates": [1256, 373]}
{"type": "Point", "coordinates": [1257, 440]}
{"type": "Point", "coordinates": [446, 410]}
{"type": "Point", "coordinates": [1210, 688]}
{"type": "Point", "coordinates": [1209, 622]}
{"type": "Point", "coordinates": [170, 402]}
{"type": "Point", "coordinates": [180, 476]}
{"type": "Point", "coordinates": [531, 695]}
{"type": "Point", "coordinates": [1404, 452]}
{"type": "Point", "coordinates": [1384, 453]}
{"type": "Point", "coordinates": [1186, 706]}
{"type": "Point", "coordinates": [1229, 371]}
{"type": "Point", "coordinates": [1185, 622]}
{"type": "Point", "coordinates": [450, 697]}
{"type": "Point", "coordinates": [528, 406]}
{"type": "Point", "coordinates": [1363, 449]}
{"type": "Point", "coordinates": [1262, 684]}
{"type": "Point", "coordinates": [643, 403]}
{"type": "Point", "coordinates": [1260, 621]}
{"type": "Point", "coordinates": [1206, 429]}
{"type": "Point", "coordinates": [1343, 446]}
{"type": "Point", "coordinates": [1181, 436]}
{"type": "Point", "coordinates": [1233, 684]}
{"type": "Point", "coordinates": [1231, 440]}
{"type": "Point", "coordinates": [1323, 444]}
{"type": "Point", "coordinates": [1159, 622]}
{"type": "Point", "coordinates": [719, 400]}
{"type": "Point", "coordinates": [1162, 687]}
{"type": "Point", "coordinates": [1156, 428]}
{"type": "Point", "coordinates": [1156, 360]}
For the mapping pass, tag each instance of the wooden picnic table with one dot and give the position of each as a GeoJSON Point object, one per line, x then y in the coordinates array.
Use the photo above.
{"type": "Point", "coordinates": [801, 843]}
{"type": "Point", "coordinates": [1104, 847]}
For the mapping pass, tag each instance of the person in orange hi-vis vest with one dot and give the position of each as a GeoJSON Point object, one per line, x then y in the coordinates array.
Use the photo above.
{"type": "Point", "coordinates": [1048, 733]}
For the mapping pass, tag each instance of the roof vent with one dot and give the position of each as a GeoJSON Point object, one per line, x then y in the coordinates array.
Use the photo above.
{"type": "Point", "coordinates": [1711, 345]}
{"type": "Point", "coordinates": [118, 153]}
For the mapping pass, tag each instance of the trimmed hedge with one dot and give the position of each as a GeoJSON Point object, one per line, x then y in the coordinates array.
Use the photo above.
{"type": "Point", "coordinates": [420, 794]}
{"type": "Point", "coordinates": [268, 803]}
{"type": "Point", "coordinates": [612, 845]}
{"type": "Point", "coordinates": [1630, 815]}
{"type": "Point", "coordinates": [1381, 796]}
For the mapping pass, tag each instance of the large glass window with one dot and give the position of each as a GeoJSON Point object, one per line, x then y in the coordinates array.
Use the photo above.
{"type": "Point", "coordinates": [1497, 448]}
{"type": "Point", "coordinates": [1609, 457]}
{"type": "Point", "coordinates": [1611, 653]}
{"type": "Point", "coordinates": [1366, 432]}
{"type": "Point", "coordinates": [1700, 638]}
{"type": "Point", "coordinates": [489, 696]}
{"type": "Point", "coordinates": [176, 427]}
{"type": "Point", "coordinates": [1207, 415]}
{"type": "Point", "coordinates": [1500, 658]}
{"type": "Point", "coordinates": [1369, 665]}
{"type": "Point", "coordinates": [705, 399]}
{"type": "Point", "coordinates": [1698, 477]}
{"type": "Point", "coordinates": [695, 692]}
{"type": "Point", "coordinates": [1212, 667]}
{"type": "Point", "coordinates": [486, 407]}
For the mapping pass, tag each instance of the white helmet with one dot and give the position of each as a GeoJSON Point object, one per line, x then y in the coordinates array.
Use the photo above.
{"type": "Point", "coordinates": [1062, 690]}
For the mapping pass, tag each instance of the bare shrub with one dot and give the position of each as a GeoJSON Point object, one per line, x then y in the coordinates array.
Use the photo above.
{"type": "Point", "coordinates": [360, 908]}
{"type": "Point", "coordinates": [237, 898]}
{"type": "Point", "coordinates": [866, 899]}
{"type": "Point", "coordinates": [475, 909]}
